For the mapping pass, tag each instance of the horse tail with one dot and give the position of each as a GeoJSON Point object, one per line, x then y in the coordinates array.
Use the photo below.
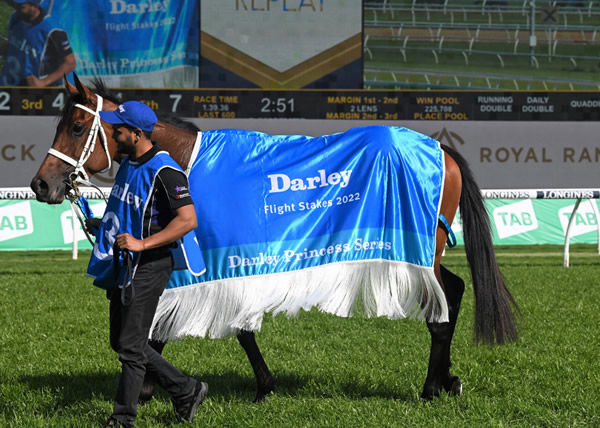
{"type": "Point", "coordinates": [494, 318]}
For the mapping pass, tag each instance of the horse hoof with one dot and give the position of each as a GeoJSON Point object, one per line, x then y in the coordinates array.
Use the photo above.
{"type": "Point", "coordinates": [146, 393]}
{"type": "Point", "coordinates": [429, 393]}
{"type": "Point", "coordinates": [261, 395]}
{"type": "Point", "coordinates": [264, 386]}
{"type": "Point", "coordinates": [454, 386]}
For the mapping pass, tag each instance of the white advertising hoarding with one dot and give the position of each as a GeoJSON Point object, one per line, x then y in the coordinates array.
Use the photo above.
{"type": "Point", "coordinates": [501, 154]}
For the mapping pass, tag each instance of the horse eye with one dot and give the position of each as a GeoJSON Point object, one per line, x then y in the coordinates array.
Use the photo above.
{"type": "Point", "coordinates": [77, 129]}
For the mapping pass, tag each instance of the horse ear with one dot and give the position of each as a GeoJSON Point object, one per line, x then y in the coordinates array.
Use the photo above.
{"type": "Point", "coordinates": [78, 88]}
{"type": "Point", "coordinates": [72, 90]}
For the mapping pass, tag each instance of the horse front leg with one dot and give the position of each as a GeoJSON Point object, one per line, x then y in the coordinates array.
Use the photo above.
{"type": "Point", "coordinates": [438, 373]}
{"type": "Point", "coordinates": [150, 378]}
{"type": "Point", "coordinates": [264, 379]}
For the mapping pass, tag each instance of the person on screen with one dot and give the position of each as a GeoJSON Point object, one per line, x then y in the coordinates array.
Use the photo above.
{"type": "Point", "coordinates": [38, 53]}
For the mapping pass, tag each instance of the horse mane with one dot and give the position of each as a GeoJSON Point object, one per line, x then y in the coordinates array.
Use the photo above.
{"type": "Point", "coordinates": [177, 122]}
{"type": "Point", "coordinates": [99, 88]}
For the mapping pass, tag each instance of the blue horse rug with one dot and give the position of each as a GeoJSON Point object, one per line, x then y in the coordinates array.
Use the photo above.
{"type": "Point", "coordinates": [290, 222]}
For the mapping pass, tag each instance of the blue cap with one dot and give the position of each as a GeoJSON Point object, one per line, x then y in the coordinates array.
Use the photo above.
{"type": "Point", "coordinates": [132, 113]}
{"type": "Point", "coordinates": [27, 1]}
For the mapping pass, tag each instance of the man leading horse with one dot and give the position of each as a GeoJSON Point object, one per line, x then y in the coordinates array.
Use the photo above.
{"type": "Point", "coordinates": [150, 210]}
{"type": "Point", "coordinates": [230, 166]}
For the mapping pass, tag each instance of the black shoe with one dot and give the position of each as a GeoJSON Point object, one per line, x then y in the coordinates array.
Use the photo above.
{"type": "Point", "coordinates": [115, 423]}
{"type": "Point", "coordinates": [186, 411]}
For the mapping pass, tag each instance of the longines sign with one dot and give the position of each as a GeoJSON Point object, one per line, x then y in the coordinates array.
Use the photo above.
{"type": "Point", "coordinates": [516, 154]}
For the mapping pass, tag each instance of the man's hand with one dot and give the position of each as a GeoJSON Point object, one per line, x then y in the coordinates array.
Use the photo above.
{"type": "Point", "coordinates": [128, 242]}
{"type": "Point", "coordinates": [182, 223]}
{"type": "Point", "coordinates": [91, 223]}
{"type": "Point", "coordinates": [35, 82]}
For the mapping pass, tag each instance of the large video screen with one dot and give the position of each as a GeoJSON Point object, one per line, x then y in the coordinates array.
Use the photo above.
{"type": "Point", "coordinates": [507, 45]}
{"type": "Point", "coordinates": [289, 44]}
{"type": "Point", "coordinates": [281, 44]}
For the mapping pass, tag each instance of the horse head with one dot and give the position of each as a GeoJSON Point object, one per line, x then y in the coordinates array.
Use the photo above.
{"type": "Point", "coordinates": [76, 154]}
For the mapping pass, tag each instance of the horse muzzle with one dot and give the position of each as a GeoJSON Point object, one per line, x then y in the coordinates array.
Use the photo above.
{"type": "Point", "coordinates": [46, 192]}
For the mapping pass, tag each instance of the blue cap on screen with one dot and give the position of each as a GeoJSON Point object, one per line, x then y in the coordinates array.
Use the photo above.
{"type": "Point", "coordinates": [132, 113]}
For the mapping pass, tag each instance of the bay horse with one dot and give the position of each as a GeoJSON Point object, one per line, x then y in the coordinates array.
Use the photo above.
{"type": "Point", "coordinates": [76, 136]}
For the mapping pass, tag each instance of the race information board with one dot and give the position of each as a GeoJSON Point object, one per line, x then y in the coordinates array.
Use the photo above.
{"type": "Point", "coordinates": [325, 104]}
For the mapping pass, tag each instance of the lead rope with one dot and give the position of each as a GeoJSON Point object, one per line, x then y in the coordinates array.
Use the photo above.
{"type": "Point", "coordinates": [81, 207]}
{"type": "Point", "coordinates": [127, 284]}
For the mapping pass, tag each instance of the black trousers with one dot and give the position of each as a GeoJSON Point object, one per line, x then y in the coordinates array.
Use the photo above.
{"type": "Point", "coordinates": [129, 330]}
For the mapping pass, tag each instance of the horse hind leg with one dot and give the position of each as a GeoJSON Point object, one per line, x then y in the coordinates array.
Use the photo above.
{"type": "Point", "coordinates": [452, 384]}
{"type": "Point", "coordinates": [264, 379]}
{"type": "Point", "coordinates": [438, 373]}
{"type": "Point", "coordinates": [150, 378]}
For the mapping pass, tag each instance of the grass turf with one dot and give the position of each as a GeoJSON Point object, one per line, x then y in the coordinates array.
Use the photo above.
{"type": "Point", "coordinates": [57, 368]}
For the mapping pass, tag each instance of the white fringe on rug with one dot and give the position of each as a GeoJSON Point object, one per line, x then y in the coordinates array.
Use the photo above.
{"type": "Point", "coordinates": [222, 308]}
